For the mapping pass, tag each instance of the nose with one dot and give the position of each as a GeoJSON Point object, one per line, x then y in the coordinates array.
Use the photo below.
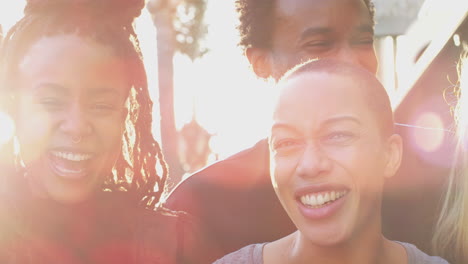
{"type": "Point", "coordinates": [313, 162]}
{"type": "Point", "coordinates": [75, 123]}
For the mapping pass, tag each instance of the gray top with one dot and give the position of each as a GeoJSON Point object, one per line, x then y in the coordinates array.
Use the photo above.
{"type": "Point", "coordinates": [253, 254]}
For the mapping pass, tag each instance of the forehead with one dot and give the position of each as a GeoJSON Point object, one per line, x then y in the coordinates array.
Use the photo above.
{"type": "Point", "coordinates": [320, 96]}
{"type": "Point", "coordinates": [312, 13]}
{"type": "Point", "coordinates": [75, 50]}
{"type": "Point", "coordinates": [72, 61]}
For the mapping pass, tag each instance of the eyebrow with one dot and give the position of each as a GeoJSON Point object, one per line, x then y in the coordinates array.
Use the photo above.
{"type": "Point", "coordinates": [341, 119]}
{"type": "Point", "coordinates": [314, 31]}
{"type": "Point", "coordinates": [286, 126]}
{"type": "Point", "coordinates": [61, 90]}
{"type": "Point", "coordinates": [366, 28]}
{"type": "Point", "coordinates": [104, 91]}
{"type": "Point", "coordinates": [50, 87]}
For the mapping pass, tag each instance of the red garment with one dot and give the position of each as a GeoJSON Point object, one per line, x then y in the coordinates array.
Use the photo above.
{"type": "Point", "coordinates": [106, 229]}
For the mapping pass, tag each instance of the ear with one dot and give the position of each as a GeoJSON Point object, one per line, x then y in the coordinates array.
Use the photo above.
{"type": "Point", "coordinates": [394, 154]}
{"type": "Point", "coordinates": [259, 59]}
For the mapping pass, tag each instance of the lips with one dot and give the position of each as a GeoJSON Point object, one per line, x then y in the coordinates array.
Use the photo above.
{"type": "Point", "coordinates": [70, 164]}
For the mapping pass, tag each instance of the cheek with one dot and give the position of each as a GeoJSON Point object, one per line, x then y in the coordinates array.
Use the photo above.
{"type": "Point", "coordinates": [364, 168]}
{"type": "Point", "coordinates": [110, 134]}
{"type": "Point", "coordinates": [33, 130]}
{"type": "Point", "coordinates": [109, 141]}
{"type": "Point", "coordinates": [349, 158]}
{"type": "Point", "coordinates": [283, 60]}
{"type": "Point", "coordinates": [354, 160]}
{"type": "Point", "coordinates": [369, 60]}
{"type": "Point", "coordinates": [285, 63]}
{"type": "Point", "coordinates": [282, 171]}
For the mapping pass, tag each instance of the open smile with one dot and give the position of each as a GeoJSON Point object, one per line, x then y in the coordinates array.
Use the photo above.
{"type": "Point", "coordinates": [316, 200]}
{"type": "Point", "coordinates": [70, 164]}
{"type": "Point", "coordinates": [319, 202]}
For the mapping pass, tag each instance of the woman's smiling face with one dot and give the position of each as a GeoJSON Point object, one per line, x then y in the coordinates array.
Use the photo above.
{"type": "Point", "coordinates": [70, 114]}
{"type": "Point", "coordinates": [329, 157]}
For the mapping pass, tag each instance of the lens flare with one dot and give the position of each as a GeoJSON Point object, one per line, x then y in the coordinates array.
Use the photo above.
{"type": "Point", "coordinates": [429, 140]}
{"type": "Point", "coordinates": [6, 128]}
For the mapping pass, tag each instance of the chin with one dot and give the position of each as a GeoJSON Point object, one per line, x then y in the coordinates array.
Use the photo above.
{"type": "Point", "coordinates": [70, 198]}
{"type": "Point", "coordinates": [72, 194]}
{"type": "Point", "coordinates": [326, 236]}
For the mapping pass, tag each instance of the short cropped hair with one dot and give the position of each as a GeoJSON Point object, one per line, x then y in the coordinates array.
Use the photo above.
{"type": "Point", "coordinates": [256, 19]}
{"type": "Point", "coordinates": [376, 95]}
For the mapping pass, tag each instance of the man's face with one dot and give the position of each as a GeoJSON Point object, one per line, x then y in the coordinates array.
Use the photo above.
{"type": "Point", "coordinates": [310, 29]}
{"type": "Point", "coordinates": [329, 157]}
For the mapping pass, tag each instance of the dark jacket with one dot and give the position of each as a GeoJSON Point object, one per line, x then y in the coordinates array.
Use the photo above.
{"type": "Point", "coordinates": [234, 202]}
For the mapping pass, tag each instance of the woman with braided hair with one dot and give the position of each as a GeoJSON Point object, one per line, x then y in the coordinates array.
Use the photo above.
{"type": "Point", "coordinates": [87, 173]}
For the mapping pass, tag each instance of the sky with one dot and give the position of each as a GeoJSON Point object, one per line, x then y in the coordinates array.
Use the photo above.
{"type": "Point", "coordinates": [228, 100]}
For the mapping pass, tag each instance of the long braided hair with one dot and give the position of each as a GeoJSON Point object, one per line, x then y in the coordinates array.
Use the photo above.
{"type": "Point", "coordinates": [140, 169]}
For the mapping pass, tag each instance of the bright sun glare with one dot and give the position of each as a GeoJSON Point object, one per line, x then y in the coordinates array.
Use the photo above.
{"type": "Point", "coordinates": [227, 99]}
{"type": "Point", "coordinates": [10, 12]}
{"type": "Point", "coordinates": [6, 128]}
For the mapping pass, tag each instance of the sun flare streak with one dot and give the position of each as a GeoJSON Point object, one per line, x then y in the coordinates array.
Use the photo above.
{"type": "Point", "coordinates": [7, 128]}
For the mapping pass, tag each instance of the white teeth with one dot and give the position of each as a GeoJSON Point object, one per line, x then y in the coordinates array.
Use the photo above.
{"type": "Point", "coordinates": [312, 199]}
{"type": "Point", "coordinates": [320, 199]}
{"type": "Point", "coordinates": [315, 200]}
{"type": "Point", "coordinates": [71, 156]}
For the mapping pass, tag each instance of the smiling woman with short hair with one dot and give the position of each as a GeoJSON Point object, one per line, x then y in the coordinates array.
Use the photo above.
{"type": "Point", "coordinates": [332, 146]}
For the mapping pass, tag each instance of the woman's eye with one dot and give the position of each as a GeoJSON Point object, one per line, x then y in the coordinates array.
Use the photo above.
{"type": "Point", "coordinates": [339, 137]}
{"type": "Point", "coordinates": [51, 103]}
{"type": "Point", "coordinates": [286, 145]}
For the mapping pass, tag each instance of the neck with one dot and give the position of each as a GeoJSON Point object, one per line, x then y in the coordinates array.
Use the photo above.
{"type": "Point", "coordinates": [366, 246]}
